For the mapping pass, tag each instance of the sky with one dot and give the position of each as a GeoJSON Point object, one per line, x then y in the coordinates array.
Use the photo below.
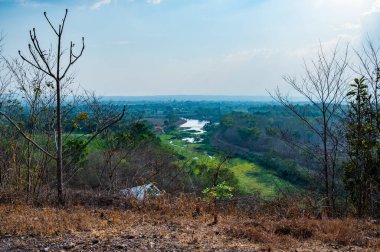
{"type": "Point", "coordinates": [191, 47]}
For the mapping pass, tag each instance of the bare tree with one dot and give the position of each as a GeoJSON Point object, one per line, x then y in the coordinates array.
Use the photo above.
{"type": "Point", "coordinates": [4, 77]}
{"type": "Point", "coordinates": [41, 62]}
{"type": "Point", "coordinates": [324, 88]}
{"type": "Point", "coordinates": [369, 67]}
{"type": "Point", "coordinates": [51, 66]}
{"type": "Point", "coordinates": [1, 43]}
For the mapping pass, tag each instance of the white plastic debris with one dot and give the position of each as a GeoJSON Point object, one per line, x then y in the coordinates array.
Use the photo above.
{"type": "Point", "coordinates": [141, 192]}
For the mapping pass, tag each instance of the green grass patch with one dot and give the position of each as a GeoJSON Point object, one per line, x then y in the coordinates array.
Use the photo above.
{"type": "Point", "coordinates": [255, 179]}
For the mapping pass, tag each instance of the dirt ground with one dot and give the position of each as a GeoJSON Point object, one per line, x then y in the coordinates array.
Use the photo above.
{"type": "Point", "coordinates": [179, 224]}
{"type": "Point", "coordinates": [169, 235]}
{"type": "Point", "coordinates": [144, 239]}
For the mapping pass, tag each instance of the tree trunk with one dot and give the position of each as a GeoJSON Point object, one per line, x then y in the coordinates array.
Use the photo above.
{"type": "Point", "coordinates": [326, 157]}
{"type": "Point", "coordinates": [59, 129]}
{"type": "Point", "coordinates": [28, 179]}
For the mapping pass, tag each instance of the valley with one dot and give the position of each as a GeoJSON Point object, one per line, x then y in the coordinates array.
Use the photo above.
{"type": "Point", "coordinates": [191, 141]}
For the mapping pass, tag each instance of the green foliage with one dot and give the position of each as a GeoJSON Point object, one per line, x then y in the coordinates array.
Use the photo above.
{"type": "Point", "coordinates": [205, 171]}
{"type": "Point", "coordinates": [270, 131]}
{"type": "Point", "coordinates": [226, 121]}
{"type": "Point", "coordinates": [251, 133]}
{"type": "Point", "coordinates": [74, 147]}
{"type": "Point", "coordinates": [361, 176]}
{"type": "Point", "coordinates": [220, 191]}
{"type": "Point", "coordinates": [140, 131]}
{"type": "Point", "coordinates": [288, 170]}
{"type": "Point", "coordinates": [82, 117]}
{"type": "Point", "coordinates": [132, 135]}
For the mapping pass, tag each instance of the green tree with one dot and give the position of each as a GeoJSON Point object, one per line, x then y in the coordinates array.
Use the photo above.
{"type": "Point", "coordinates": [360, 170]}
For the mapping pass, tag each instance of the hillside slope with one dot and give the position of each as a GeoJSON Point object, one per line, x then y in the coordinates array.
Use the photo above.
{"type": "Point", "coordinates": [180, 224]}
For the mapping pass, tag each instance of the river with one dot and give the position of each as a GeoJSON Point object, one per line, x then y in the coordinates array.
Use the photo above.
{"type": "Point", "coordinates": [195, 127]}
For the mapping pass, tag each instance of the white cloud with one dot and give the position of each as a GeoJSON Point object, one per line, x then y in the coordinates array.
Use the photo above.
{"type": "Point", "coordinates": [351, 26]}
{"type": "Point", "coordinates": [310, 51]}
{"type": "Point", "coordinates": [374, 8]}
{"type": "Point", "coordinates": [153, 1]}
{"type": "Point", "coordinates": [100, 4]}
{"type": "Point", "coordinates": [376, 4]}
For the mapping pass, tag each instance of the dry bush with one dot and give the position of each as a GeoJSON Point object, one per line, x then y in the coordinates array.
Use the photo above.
{"type": "Point", "coordinates": [287, 232]}
{"type": "Point", "coordinates": [99, 213]}
{"type": "Point", "coordinates": [349, 232]}
{"type": "Point", "coordinates": [26, 220]}
{"type": "Point", "coordinates": [91, 214]}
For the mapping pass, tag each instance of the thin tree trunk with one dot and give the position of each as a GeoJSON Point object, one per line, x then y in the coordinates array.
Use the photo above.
{"type": "Point", "coordinates": [28, 179]}
{"type": "Point", "coordinates": [59, 128]}
{"type": "Point", "coordinates": [326, 158]}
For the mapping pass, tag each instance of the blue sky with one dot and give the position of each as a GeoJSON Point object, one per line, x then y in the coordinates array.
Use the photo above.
{"type": "Point", "coordinates": [209, 47]}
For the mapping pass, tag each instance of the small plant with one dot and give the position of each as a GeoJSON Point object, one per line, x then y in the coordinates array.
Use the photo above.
{"type": "Point", "coordinates": [220, 191]}
{"type": "Point", "coordinates": [217, 192]}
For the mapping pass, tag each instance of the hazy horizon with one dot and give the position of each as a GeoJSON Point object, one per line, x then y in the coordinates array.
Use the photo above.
{"type": "Point", "coordinates": [167, 47]}
{"type": "Point", "coordinates": [189, 97]}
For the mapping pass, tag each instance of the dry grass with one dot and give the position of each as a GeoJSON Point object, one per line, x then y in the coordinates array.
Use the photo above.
{"type": "Point", "coordinates": [288, 232]}
{"type": "Point", "coordinates": [175, 219]}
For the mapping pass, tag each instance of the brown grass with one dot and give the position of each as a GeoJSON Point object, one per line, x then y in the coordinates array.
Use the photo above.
{"type": "Point", "coordinates": [288, 232]}
{"type": "Point", "coordinates": [174, 216]}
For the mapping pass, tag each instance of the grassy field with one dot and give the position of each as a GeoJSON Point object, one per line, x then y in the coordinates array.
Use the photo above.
{"type": "Point", "coordinates": [252, 178]}
{"type": "Point", "coordinates": [255, 179]}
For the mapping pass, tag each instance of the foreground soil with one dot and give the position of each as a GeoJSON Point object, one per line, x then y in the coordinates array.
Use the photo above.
{"type": "Point", "coordinates": [151, 238]}
{"type": "Point", "coordinates": [176, 227]}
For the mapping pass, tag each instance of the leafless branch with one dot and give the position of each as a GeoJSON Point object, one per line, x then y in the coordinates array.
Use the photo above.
{"type": "Point", "coordinates": [106, 125]}
{"type": "Point", "coordinates": [45, 14]}
{"type": "Point", "coordinates": [25, 136]}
